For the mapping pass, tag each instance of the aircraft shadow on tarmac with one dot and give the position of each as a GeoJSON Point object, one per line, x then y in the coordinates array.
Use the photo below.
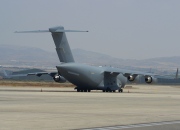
{"type": "Point", "coordinates": [71, 91]}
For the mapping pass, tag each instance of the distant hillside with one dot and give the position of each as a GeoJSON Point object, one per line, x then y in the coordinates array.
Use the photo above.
{"type": "Point", "coordinates": [28, 56]}
{"type": "Point", "coordinates": [21, 53]}
{"type": "Point", "coordinates": [90, 57]}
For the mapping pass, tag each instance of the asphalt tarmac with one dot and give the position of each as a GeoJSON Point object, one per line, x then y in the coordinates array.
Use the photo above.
{"type": "Point", "coordinates": [63, 108]}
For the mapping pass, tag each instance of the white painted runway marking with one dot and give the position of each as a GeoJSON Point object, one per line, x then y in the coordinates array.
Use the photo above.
{"type": "Point", "coordinates": [134, 126]}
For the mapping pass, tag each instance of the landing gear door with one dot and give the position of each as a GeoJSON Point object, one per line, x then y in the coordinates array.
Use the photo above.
{"type": "Point", "coordinates": [110, 80]}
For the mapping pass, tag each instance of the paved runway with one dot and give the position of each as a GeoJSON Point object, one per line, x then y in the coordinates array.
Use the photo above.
{"type": "Point", "coordinates": [63, 108]}
{"type": "Point", "coordinates": [170, 125]}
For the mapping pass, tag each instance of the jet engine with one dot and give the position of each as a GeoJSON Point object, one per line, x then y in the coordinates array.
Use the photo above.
{"type": "Point", "coordinates": [131, 78]}
{"type": "Point", "coordinates": [59, 79]}
{"type": "Point", "coordinates": [150, 79]}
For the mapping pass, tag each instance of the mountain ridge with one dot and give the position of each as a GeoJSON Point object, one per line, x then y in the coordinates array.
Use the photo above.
{"type": "Point", "coordinates": [23, 55]}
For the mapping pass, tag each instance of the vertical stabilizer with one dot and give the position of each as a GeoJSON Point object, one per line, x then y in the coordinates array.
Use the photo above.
{"type": "Point", "coordinates": [60, 40]}
{"type": "Point", "coordinates": [62, 45]}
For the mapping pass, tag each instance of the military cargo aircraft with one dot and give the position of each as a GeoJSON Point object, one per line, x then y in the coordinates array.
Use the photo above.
{"type": "Point", "coordinates": [86, 77]}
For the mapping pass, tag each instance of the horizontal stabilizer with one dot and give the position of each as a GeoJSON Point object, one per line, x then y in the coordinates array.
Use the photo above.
{"type": "Point", "coordinates": [36, 31]}
{"type": "Point", "coordinates": [58, 29]}
{"type": "Point", "coordinates": [42, 31]}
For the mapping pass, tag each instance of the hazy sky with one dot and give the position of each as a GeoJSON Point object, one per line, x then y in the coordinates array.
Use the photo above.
{"type": "Point", "coordinates": [126, 29]}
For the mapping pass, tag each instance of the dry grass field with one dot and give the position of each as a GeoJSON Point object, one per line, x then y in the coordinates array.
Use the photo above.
{"type": "Point", "coordinates": [33, 84]}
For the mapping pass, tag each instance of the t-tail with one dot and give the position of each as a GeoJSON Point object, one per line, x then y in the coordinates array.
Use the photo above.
{"type": "Point", "coordinates": [62, 46]}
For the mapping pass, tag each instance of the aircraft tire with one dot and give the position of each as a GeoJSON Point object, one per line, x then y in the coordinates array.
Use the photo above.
{"type": "Point", "coordinates": [120, 90]}
{"type": "Point", "coordinates": [89, 90]}
{"type": "Point", "coordinates": [78, 90]}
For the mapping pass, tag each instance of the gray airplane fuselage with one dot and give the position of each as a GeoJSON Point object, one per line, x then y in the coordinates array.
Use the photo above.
{"type": "Point", "coordinates": [92, 77]}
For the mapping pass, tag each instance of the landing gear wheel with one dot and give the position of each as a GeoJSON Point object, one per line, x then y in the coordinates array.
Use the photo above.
{"type": "Point", "coordinates": [104, 90]}
{"type": "Point", "coordinates": [114, 91]}
{"type": "Point", "coordinates": [89, 90]}
{"type": "Point", "coordinates": [121, 90]}
{"type": "Point", "coordinates": [78, 90]}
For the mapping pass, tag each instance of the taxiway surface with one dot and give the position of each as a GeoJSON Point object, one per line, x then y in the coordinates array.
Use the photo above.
{"type": "Point", "coordinates": [63, 108]}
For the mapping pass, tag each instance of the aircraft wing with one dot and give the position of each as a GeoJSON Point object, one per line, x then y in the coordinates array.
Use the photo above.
{"type": "Point", "coordinates": [138, 73]}
{"type": "Point", "coordinates": [56, 76]}
{"type": "Point", "coordinates": [134, 76]}
{"type": "Point", "coordinates": [147, 74]}
{"type": "Point", "coordinates": [39, 74]}
{"type": "Point", "coordinates": [126, 72]}
{"type": "Point", "coordinates": [17, 75]}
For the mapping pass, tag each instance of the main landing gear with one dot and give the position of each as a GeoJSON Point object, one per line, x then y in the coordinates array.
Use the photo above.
{"type": "Point", "coordinates": [120, 90]}
{"type": "Point", "coordinates": [83, 90]}
{"type": "Point", "coordinates": [89, 90]}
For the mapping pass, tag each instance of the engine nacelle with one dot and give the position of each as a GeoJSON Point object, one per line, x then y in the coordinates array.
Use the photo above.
{"type": "Point", "coordinates": [59, 79]}
{"type": "Point", "coordinates": [131, 78]}
{"type": "Point", "coordinates": [134, 78]}
{"type": "Point", "coordinates": [150, 79]}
